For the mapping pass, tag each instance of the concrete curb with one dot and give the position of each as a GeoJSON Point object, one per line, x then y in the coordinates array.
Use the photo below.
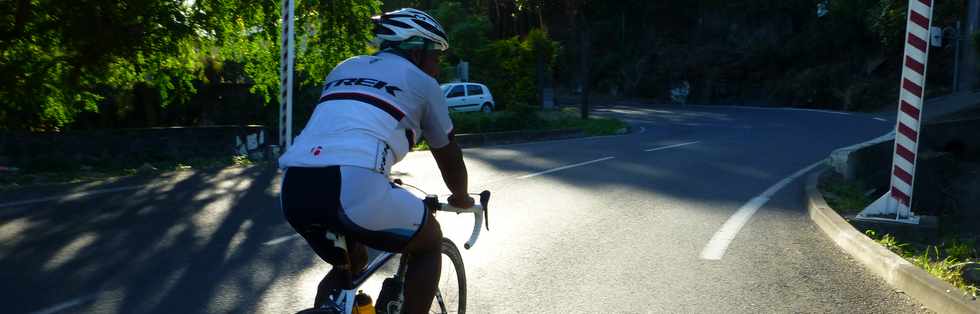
{"type": "Point", "coordinates": [935, 294]}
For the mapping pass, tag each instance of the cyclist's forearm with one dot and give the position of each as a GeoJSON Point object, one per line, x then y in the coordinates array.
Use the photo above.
{"type": "Point", "coordinates": [450, 161]}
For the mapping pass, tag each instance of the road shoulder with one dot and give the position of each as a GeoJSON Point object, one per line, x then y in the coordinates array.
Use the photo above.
{"type": "Point", "coordinates": [935, 294]}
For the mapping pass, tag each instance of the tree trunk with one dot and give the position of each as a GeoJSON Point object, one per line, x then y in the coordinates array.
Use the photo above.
{"type": "Point", "coordinates": [584, 44]}
{"type": "Point", "coordinates": [541, 82]}
{"type": "Point", "coordinates": [541, 19]}
{"type": "Point", "coordinates": [498, 23]}
{"type": "Point", "coordinates": [968, 69]}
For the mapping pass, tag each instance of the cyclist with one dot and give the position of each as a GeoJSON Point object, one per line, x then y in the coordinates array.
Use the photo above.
{"type": "Point", "coordinates": [371, 111]}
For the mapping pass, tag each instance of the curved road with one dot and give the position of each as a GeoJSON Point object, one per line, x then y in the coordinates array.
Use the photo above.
{"type": "Point", "coordinates": [696, 211]}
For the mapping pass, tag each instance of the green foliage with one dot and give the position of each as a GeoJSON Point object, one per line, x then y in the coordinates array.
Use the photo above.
{"type": "Point", "coordinates": [889, 242]}
{"type": "Point", "coordinates": [58, 56]}
{"type": "Point", "coordinates": [944, 261]}
{"type": "Point", "coordinates": [961, 250]}
{"type": "Point", "coordinates": [844, 196]}
{"type": "Point", "coordinates": [467, 32]}
{"type": "Point", "coordinates": [63, 58]}
{"type": "Point", "coordinates": [176, 53]}
{"type": "Point", "coordinates": [946, 268]}
{"type": "Point", "coordinates": [466, 122]}
{"type": "Point", "coordinates": [334, 30]}
{"type": "Point", "coordinates": [508, 67]}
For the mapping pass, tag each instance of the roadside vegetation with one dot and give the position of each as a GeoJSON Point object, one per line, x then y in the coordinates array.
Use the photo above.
{"type": "Point", "coordinates": [506, 121]}
{"type": "Point", "coordinates": [949, 260]}
{"type": "Point", "coordinates": [216, 62]}
{"type": "Point", "coordinates": [953, 258]}
{"type": "Point", "coordinates": [846, 197]}
{"type": "Point", "coordinates": [567, 118]}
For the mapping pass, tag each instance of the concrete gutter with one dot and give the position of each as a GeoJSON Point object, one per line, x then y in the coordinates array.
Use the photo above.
{"type": "Point", "coordinates": [935, 294]}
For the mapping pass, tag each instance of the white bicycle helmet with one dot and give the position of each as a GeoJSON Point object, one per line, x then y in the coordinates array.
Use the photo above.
{"type": "Point", "coordinates": [404, 24]}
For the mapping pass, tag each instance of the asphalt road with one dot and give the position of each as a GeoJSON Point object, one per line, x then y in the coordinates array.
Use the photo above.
{"type": "Point", "coordinates": [621, 226]}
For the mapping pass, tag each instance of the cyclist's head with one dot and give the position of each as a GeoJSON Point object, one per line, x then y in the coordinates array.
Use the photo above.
{"type": "Point", "coordinates": [409, 29]}
{"type": "Point", "coordinates": [414, 34]}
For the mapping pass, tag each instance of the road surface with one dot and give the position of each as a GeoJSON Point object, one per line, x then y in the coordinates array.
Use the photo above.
{"type": "Point", "coordinates": [698, 210]}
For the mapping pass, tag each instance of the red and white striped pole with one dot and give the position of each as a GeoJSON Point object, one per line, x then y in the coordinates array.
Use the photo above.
{"type": "Point", "coordinates": [288, 49]}
{"type": "Point", "coordinates": [896, 204]}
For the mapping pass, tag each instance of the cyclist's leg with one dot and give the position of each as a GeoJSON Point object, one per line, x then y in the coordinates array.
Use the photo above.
{"type": "Point", "coordinates": [357, 253]}
{"type": "Point", "coordinates": [389, 218]}
{"type": "Point", "coordinates": [424, 267]}
{"type": "Point", "coordinates": [310, 199]}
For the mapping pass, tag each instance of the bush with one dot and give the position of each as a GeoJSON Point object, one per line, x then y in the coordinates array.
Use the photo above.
{"type": "Point", "coordinates": [470, 122]}
{"type": "Point", "coordinates": [508, 67]}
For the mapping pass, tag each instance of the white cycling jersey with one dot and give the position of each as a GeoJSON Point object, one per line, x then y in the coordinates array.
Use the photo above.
{"type": "Point", "coordinates": [371, 112]}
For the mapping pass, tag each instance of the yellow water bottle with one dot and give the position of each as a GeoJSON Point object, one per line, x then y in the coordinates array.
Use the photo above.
{"type": "Point", "coordinates": [364, 303]}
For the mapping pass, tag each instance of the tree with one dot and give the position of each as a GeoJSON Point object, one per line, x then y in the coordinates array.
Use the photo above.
{"type": "Point", "coordinates": [61, 58]}
{"type": "Point", "coordinates": [57, 55]}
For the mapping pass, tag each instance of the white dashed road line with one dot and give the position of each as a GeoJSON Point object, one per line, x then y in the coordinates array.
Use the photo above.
{"type": "Point", "coordinates": [671, 146]}
{"type": "Point", "coordinates": [565, 167]}
{"type": "Point", "coordinates": [723, 238]}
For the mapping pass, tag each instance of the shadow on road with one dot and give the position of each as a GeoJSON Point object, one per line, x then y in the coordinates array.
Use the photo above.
{"type": "Point", "coordinates": [195, 243]}
{"type": "Point", "coordinates": [185, 246]}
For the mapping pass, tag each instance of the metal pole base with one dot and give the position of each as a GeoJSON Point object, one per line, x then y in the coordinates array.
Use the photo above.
{"type": "Point", "coordinates": [886, 209]}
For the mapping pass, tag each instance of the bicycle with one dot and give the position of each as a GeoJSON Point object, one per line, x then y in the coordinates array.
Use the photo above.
{"type": "Point", "coordinates": [391, 298]}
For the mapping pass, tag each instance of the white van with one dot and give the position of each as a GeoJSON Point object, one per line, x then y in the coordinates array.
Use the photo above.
{"type": "Point", "coordinates": [465, 97]}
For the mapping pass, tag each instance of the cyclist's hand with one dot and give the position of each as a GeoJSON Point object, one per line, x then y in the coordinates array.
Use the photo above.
{"type": "Point", "coordinates": [460, 201]}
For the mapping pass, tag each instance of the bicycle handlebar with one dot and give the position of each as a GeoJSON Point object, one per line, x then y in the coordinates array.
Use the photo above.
{"type": "Point", "coordinates": [480, 215]}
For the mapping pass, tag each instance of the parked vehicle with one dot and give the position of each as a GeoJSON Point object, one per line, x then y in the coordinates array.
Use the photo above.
{"type": "Point", "coordinates": [464, 97]}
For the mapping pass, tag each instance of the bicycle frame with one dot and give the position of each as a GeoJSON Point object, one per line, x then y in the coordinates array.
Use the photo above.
{"type": "Point", "coordinates": [344, 301]}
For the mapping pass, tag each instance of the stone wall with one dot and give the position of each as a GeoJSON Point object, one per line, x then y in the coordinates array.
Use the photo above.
{"type": "Point", "coordinates": [126, 147]}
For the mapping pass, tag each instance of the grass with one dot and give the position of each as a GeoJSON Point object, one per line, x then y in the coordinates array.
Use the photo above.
{"type": "Point", "coordinates": [847, 197]}
{"type": "Point", "coordinates": [82, 173]}
{"type": "Point", "coordinates": [944, 261]}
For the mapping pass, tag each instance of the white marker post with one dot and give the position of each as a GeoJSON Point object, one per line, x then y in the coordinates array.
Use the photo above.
{"type": "Point", "coordinates": [288, 49]}
{"type": "Point", "coordinates": [896, 204]}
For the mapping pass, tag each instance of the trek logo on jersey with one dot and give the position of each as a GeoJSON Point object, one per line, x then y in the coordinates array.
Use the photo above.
{"type": "Point", "coordinates": [367, 82]}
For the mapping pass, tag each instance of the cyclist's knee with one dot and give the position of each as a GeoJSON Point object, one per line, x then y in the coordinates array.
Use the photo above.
{"type": "Point", "coordinates": [428, 238]}
{"type": "Point", "coordinates": [436, 228]}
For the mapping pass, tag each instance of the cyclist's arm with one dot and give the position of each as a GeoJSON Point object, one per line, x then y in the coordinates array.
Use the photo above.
{"type": "Point", "coordinates": [437, 128]}
{"type": "Point", "coordinates": [450, 161]}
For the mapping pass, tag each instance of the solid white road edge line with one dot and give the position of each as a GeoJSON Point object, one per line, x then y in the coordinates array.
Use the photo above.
{"type": "Point", "coordinates": [564, 167]}
{"type": "Point", "coordinates": [719, 243]}
{"type": "Point", "coordinates": [671, 146]}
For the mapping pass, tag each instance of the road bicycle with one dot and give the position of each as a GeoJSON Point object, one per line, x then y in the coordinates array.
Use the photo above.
{"type": "Point", "coordinates": [451, 291]}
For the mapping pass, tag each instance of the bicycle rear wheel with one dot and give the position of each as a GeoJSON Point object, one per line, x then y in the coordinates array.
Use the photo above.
{"type": "Point", "coordinates": [451, 292]}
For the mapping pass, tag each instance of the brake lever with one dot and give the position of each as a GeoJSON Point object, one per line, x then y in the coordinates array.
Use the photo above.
{"type": "Point", "coordinates": [485, 201]}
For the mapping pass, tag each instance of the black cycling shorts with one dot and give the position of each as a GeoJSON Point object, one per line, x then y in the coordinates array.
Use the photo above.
{"type": "Point", "coordinates": [356, 202]}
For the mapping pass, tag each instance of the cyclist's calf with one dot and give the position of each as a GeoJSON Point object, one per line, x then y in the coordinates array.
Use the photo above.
{"type": "Point", "coordinates": [424, 267]}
